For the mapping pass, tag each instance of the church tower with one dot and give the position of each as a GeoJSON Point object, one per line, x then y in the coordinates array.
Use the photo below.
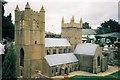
{"type": "Point", "coordinates": [29, 40]}
{"type": "Point", "coordinates": [72, 31]}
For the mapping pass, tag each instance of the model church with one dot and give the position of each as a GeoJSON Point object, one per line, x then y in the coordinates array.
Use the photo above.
{"type": "Point", "coordinates": [53, 56]}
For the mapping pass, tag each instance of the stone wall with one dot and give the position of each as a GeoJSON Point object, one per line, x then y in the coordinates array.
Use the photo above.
{"type": "Point", "coordinates": [72, 31]}
{"type": "Point", "coordinates": [30, 36]}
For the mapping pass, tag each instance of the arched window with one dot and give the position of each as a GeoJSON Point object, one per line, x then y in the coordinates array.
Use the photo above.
{"type": "Point", "coordinates": [65, 50]}
{"type": "Point", "coordinates": [21, 57]}
{"type": "Point", "coordinates": [54, 51]}
{"type": "Point", "coordinates": [35, 42]}
{"type": "Point", "coordinates": [56, 69]}
{"type": "Point", "coordinates": [60, 51]}
{"type": "Point", "coordinates": [66, 71]}
{"type": "Point", "coordinates": [98, 60]}
{"type": "Point", "coordinates": [48, 52]}
{"type": "Point", "coordinates": [69, 50]}
{"type": "Point", "coordinates": [21, 73]}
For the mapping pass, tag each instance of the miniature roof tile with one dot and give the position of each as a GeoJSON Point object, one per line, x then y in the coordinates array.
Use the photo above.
{"type": "Point", "coordinates": [86, 49]}
{"type": "Point", "coordinates": [88, 32]}
{"type": "Point", "coordinates": [58, 59]}
{"type": "Point", "coordinates": [56, 42]}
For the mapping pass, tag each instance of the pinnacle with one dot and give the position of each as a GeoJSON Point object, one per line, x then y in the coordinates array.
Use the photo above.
{"type": "Point", "coordinates": [80, 20]}
{"type": "Point", "coordinates": [27, 6]}
{"type": "Point", "coordinates": [42, 8]}
{"type": "Point", "coordinates": [72, 17]}
{"type": "Point", "coordinates": [63, 18]}
{"type": "Point", "coordinates": [17, 8]}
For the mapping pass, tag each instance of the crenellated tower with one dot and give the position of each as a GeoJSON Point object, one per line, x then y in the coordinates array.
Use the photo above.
{"type": "Point", "coordinates": [72, 31]}
{"type": "Point", "coordinates": [29, 40]}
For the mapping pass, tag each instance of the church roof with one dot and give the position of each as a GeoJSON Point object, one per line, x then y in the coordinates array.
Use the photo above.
{"type": "Point", "coordinates": [88, 31]}
{"type": "Point", "coordinates": [86, 49]}
{"type": "Point", "coordinates": [115, 34]}
{"type": "Point", "coordinates": [56, 42]}
{"type": "Point", "coordinates": [58, 59]}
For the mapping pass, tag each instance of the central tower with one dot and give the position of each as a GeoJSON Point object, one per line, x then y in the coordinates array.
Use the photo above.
{"type": "Point", "coordinates": [29, 40]}
{"type": "Point", "coordinates": [72, 31]}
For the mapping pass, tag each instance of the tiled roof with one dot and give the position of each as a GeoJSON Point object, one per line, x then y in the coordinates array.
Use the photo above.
{"type": "Point", "coordinates": [88, 31]}
{"type": "Point", "coordinates": [115, 34]}
{"type": "Point", "coordinates": [58, 59]}
{"type": "Point", "coordinates": [56, 42]}
{"type": "Point", "coordinates": [86, 49]}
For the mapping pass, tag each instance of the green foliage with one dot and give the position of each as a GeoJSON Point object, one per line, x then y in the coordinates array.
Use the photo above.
{"type": "Point", "coordinates": [112, 39]}
{"type": "Point", "coordinates": [99, 42]}
{"type": "Point", "coordinates": [97, 37]}
{"type": "Point", "coordinates": [9, 65]}
{"type": "Point", "coordinates": [88, 39]}
{"type": "Point", "coordinates": [7, 25]}
{"type": "Point", "coordinates": [102, 44]}
{"type": "Point", "coordinates": [99, 30]}
{"type": "Point", "coordinates": [108, 27]}
{"type": "Point", "coordinates": [117, 44]}
{"type": "Point", "coordinates": [114, 76]}
{"type": "Point", "coordinates": [53, 36]}
{"type": "Point", "coordinates": [86, 26]}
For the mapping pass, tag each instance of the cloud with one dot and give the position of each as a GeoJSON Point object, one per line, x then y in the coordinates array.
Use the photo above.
{"type": "Point", "coordinates": [93, 12]}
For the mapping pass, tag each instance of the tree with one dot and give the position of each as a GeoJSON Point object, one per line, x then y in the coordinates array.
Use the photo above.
{"type": "Point", "coordinates": [9, 65]}
{"type": "Point", "coordinates": [108, 27]}
{"type": "Point", "coordinates": [53, 36]}
{"type": "Point", "coordinates": [7, 25]}
{"type": "Point", "coordinates": [86, 25]}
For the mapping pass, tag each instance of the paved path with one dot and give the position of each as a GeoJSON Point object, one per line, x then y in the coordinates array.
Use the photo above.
{"type": "Point", "coordinates": [111, 69]}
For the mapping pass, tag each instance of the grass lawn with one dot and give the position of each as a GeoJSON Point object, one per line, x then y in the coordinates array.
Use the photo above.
{"type": "Point", "coordinates": [116, 60]}
{"type": "Point", "coordinates": [114, 76]}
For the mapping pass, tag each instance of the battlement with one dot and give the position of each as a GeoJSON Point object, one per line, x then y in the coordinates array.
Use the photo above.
{"type": "Point", "coordinates": [29, 18]}
{"type": "Point", "coordinates": [29, 21]}
{"type": "Point", "coordinates": [72, 31]}
{"type": "Point", "coordinates": [72, 23]}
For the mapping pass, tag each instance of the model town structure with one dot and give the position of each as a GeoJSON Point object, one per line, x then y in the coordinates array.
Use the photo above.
{"type": "Point", "coordinates": [53, 56]}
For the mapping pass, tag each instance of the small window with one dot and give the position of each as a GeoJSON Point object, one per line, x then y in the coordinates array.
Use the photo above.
{"type": "Point", "coordinates": [52, 71]}
{"type": "Point", "coordinates": [21, 57]}
{"type": "Point", "coordinates": [69, 50]}
{"type": "Point", "coordinates": [98, 60]}
{"type": "Point", "coordinates": [21, 73]}
{"type": "Point", "coordinates": [54, 51]}
{"type": "Point", "coordinates": [65, 50]}
{"type": "Point", "coordinates": [56, 69]}
{"type": "Point", "coordinates": [35, 42]}
{"type": "Point", "coordinates": [48, 52]}
{"type": "Point", "coordinates": [60, 51]}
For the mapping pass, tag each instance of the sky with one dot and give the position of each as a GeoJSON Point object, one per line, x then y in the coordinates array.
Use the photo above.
{"type": "Point", "coordinates": [92, 11]}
